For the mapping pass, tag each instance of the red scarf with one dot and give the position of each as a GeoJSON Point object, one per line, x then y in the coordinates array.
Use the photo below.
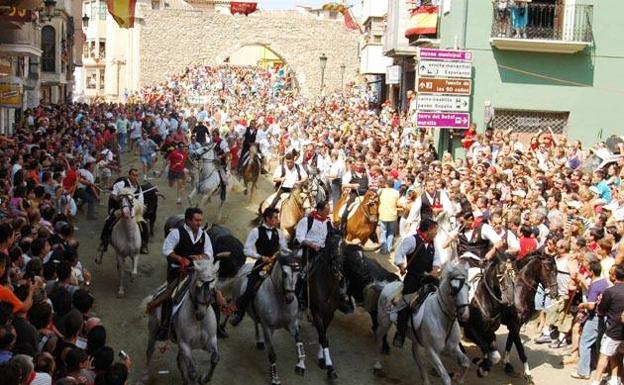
{"type": "Point", "coordinates": [477, 222]}
{"type": "Point", "coordinates": [316, 215]}
{"type": "Point", "coordinates": [422, 236]}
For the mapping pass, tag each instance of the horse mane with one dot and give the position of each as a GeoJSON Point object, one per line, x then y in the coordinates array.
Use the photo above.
{"type": "Point", "coordinates": [522, 263]}
{"type": "Point", "coordinates": [454, 270]}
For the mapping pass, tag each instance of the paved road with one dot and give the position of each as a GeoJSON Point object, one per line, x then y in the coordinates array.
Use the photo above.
{"type": "Point", "coordinates": [351, 342]}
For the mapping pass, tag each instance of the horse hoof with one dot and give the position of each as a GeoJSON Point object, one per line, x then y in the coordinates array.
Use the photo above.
{"type": "Point", "coordinates": [332, 374]}
{"type": "Point", "coordinates": [299, 371]}
{"type": "Point", "coordinates": [121, 294]}
{"type": "Point", "coordinates": [260, 345]}
{"type": "Point", "coordinates": [379, 373]}
{"type": "Point", "coordinates": [221, 333]}
{"type": "Point", "coordinates": [509, 369]}
{"type": "Point", "coordinates": [482, 372]}
{"type": "Point", "coordinates": [529, 379]}
{"type": "Point", "coordinates": [321, 363]}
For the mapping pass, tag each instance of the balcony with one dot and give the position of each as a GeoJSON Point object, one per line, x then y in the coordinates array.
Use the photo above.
{"type": "Point", "coordinates": [543, 28]}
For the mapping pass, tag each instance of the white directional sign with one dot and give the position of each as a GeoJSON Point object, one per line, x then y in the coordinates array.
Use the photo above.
{"type": "Point", "coordinates": [433, 102]}
{"type": "Point", "coordinates": [444, 69]}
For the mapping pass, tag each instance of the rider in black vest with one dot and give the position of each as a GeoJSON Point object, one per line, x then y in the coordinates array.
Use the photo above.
{"type": "Point", "coordinates": [358, 184]}
{"type": "Point", "coordinates": [263, 243]}
{"type": "Point", "coordinates": [131, 181]}
{"type": "Point", "coordinates": [181, 250]}
{"type": "Point", "coordinates": [249, 138]}
{"type": "Point", "coordinates": [477, 244]}
{"type": "Point", "coordinates": [416, 259]}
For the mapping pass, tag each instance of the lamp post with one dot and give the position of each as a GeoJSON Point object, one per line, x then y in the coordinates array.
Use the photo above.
{"type": "Point", "coordinates": [49, 8]}
{"type": "Point", "coordinates": [342, 72]}
{"type": "Point", "coordinates": [85, 21]}
{"type": "Point", "coordinates": [323, 60]}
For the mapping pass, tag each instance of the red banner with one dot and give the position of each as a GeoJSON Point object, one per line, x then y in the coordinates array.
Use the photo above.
{"type": "Point", "coordinates": [350, 23]}
{"type": "Point", "coordinates": [243, 8]}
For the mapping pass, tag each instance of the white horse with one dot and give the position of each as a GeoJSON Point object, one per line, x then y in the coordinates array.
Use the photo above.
{"type": "Point", "coordinates": [212, 178]}
{"type": "Point", "coordinates": [194, 323]}
{"type": "Point", "coordinates": [126, 235]}
{"type": "Point", "coordinates": [274, 307]}
{"type": "Point", "coordinates": [433, 327]}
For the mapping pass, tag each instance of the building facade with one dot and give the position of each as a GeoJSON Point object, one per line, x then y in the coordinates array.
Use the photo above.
{"type": "Point", "coordinates": [539, 65]}
{"type": "Point", "coordinates": [38, 45]}
{"type": "Point", "coordinates": [373, 62]}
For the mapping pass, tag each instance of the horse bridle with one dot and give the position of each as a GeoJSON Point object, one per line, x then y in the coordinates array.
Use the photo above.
{"type": "Point", "coordinates": [533, 286]}
{"type": "Point", "coordinates": [454, 292]}
{"type": "Point", "coordinates": [130, 199]}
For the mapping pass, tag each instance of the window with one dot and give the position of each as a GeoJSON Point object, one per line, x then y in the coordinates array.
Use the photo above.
{"type": "Point", "coordinates": [48, 46]}
{"type": "Point", "coordinates": [102, 12]}
{"type": "Point", "coordinates": [85, 49]}
{"type": "Point", "coordinates": [102, 49]}
{"type": "Point", "coordinates": [91, 79]}
{"type": "Point", "coordinates": [94, 9]}
{"type": "Point", "coordinates": [526, 121]}
{"type": "Point", "coordinates": [102, 78]}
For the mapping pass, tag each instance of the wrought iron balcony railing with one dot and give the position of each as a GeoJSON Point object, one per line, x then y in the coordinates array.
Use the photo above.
{"type": "Point", "coordinates": [567, 23]}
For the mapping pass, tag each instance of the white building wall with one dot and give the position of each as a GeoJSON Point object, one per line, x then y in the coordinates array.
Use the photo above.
{"type": "Point", "coordinates": [373, 61]}
{"type": "Point", "coordinates": [373, 8]}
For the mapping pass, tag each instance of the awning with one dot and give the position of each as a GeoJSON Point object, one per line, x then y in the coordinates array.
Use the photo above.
{"type": "Point", "coordinates": [20, 50]}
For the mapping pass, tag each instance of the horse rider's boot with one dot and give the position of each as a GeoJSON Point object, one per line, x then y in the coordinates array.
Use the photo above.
{"type": "Point", "coordinates": [401, 327]}
{"type": "Point", "coordinates": [244, 300]}
{"type": "Point", "coordinates": [106, 234]}
{"type": "Point", "coordinates": [165, 320]}
{"type": "Point", "coordinates": [144, 238]}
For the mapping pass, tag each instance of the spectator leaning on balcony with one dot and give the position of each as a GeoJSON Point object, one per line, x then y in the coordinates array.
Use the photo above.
{"type": "Point", "coordinates": [501, 12]}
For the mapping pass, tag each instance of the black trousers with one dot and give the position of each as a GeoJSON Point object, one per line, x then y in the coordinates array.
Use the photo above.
{"type": "Point", "coordinates": [254, 280]}
{"type": "Point", "coordinates": [345, 213]}
{"type": "Point", "coordinates": [411, 284]}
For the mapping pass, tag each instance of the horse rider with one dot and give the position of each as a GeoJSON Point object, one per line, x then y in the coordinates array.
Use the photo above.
{"type": "Point", "coordinates": [131, 182]}
{"type": "Point", "coordinates": [222, 151]}
{"type": "Point", "coordinates": [356, 179]}
{"type": "Point", "coordinates": [183, 245]}
{"type": "Point", "coordinates": [417, 258]}
{"type": "Point", "coordinates": [311, 237]}
{"type": "Point", "coordinates": [286, 177]}
{"type": "Point", "coordinates": [249, 138]}
{"type": "Point", "coordinates": [477, 242]}
{"type": "Point", "coordinates": [262, 244]}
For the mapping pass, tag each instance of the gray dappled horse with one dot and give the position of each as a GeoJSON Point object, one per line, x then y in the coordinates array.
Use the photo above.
{"type": "Point", "coordinates": [435, 328]}
{"type": "Point", "coordinates": [209, 181]}
{"type": "Point", "coordinates": [194, 324]}
{"type": "Point", "coordinates": [126, 235]}
{"type": "Point", "coordinates": [274, 307]}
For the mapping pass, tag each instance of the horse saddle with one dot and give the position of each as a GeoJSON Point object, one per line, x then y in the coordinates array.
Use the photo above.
{"type": "Point", "coordinates": [174, 290]}
{"type": "Point", "coordinates": [351, 209]}
{"type": "Point", "coordinates": [281, 200]}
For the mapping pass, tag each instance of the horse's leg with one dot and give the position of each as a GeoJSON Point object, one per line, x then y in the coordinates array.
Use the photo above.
{"type": "Point", "coordinates": [521, 353]}
{"type": "Point", "coordinates": [214, 359]}
{"type": "Point", "coordinates": [259, 337]}
{"type": "Point", "coordinates": [463, 361]}
{"type": "Point", "coordinates": [438, 365]}
{"type": "Point", "coordinates": [381, 331]}
{"type": "Point", "coordinates": [220, 213]}
{"type": "Point", "coordinates": [152, 329]}
{"type": "Point", "coordinates": [272, 357]}
{"type": "Point", "coordinates": [321, 328]}
{"type": "Point", "coordinates": [253, 190]}
{"type": "Point", "coordinates": [509, 369]}
{"type": "Point", "coordinates": [293, 328]}
{"type": "Point", "coordinates": [419, 357]}
{"type": "Point", "coordinates": [135, 265]}
{"type": "Point", "coordinates": [475, 336]}
{"type": "Point", "coordinates": [185, 364]}
{"type": "Point", "coordinates": [192, 195]}
{"type": "Point", "coordinates": [120, 273]}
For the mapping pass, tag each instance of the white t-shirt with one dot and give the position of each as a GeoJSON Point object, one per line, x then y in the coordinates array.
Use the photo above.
{"type": "Point", "coordinates": [290, 175]}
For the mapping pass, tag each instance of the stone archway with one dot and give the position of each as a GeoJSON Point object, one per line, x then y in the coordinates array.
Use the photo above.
{"type": "Point", "coordinates": [272, 46]}
{"type": "Point", "coordinates": [209, 38]}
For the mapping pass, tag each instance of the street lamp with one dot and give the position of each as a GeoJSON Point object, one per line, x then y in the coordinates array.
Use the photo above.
{"type": "Point", "coordinates": [323, 60]}
{"type": "Point", "coordinates": [85, 21]}
{"type": "Point", "coordinates": [49, 8]}
{"type": "Point", "coordinates": [342, 72]}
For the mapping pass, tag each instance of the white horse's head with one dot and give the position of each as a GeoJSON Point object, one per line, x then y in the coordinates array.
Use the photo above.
{"type": "Point", "coordinates": [202, 285]}
{"type": "Point", "coordinates": [456, 290]}
{"type": "Point", "coordinates": [129, 205]}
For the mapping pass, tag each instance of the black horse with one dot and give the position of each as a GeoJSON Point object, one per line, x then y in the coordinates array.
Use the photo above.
{"type": "Point", "coordinates": [365, 279]}
{"type": "Point", "coordinates": [324, 281]}
{"type": "Point", "coordinates": [150, 198]}
{"type": "Point", "coordinates": [505, 295]}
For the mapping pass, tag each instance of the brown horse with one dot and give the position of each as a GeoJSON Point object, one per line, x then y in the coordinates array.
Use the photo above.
{"type": "Point", "coordinates": [251, 171]}
{"type": "Point", "coordinates": [292, 209]}
{"type": "Point", "coordinates": [362, 223]}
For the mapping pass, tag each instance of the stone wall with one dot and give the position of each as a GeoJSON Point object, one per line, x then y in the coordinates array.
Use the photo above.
{"type": "Point", "coordinates": [173, 39]}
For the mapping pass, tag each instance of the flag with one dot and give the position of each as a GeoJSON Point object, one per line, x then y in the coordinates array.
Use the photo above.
{"type": "Point", "coordinates": [243, 8]}
{"type": "Point", "coordinates": [122, 11]}
{"type": "Point", "coordinates": [424, 21]}
{"type": "Point", "coordinates": [350, 22]}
